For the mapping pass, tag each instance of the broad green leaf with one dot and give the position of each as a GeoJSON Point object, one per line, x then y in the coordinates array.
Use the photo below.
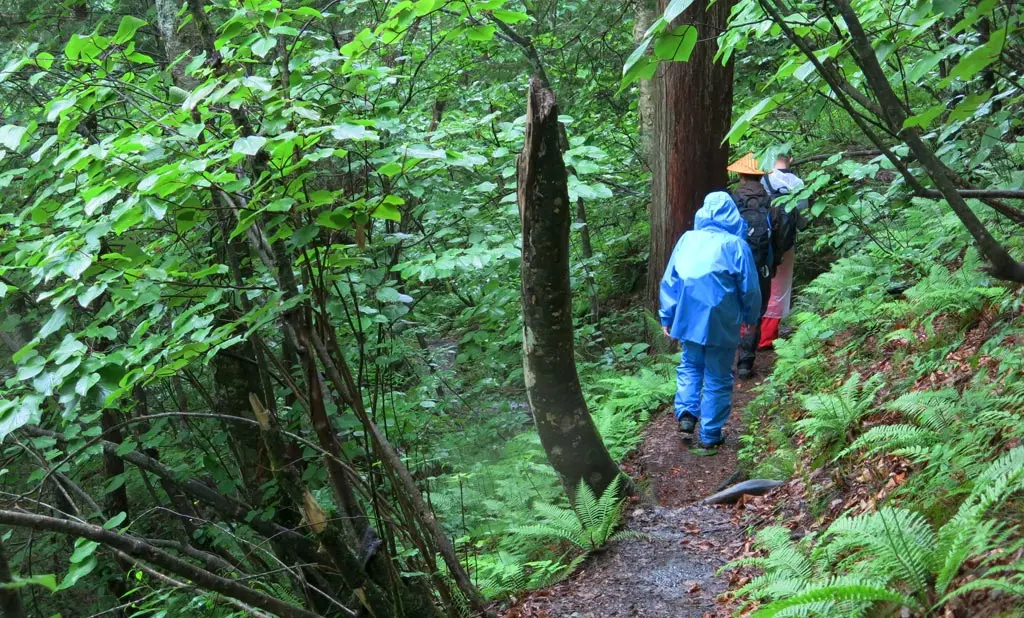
{"type": "Point", "coordinates": [85, 383]}
{"type": "Point", "coordinates": [283, 204]}
{"type": "Point", "coordinates": [480, 33]}
{"type": "Point", "coordinates": [57, 321]}
{"type": "Point", "coordinates": [91, 294]}
{"type": "Point", "coordinates": [674, 9]}
{"type": "Point", "coordinates": [970, 105]}
{"type": "Point", "coordinates": [69, 346]}
{"type": "Point", "coordinates": [48, 581]}
{"type": "Point", "coordinates": [424, 152]}
{"type": "Point", "coordinates": [979, 58]}
{"type": "Point", "coordinates": [115, 521]}
{"type": "Point", "coordinates": [425, 7]}
{"type": "Point", "coordinates": [391, 295]}
{"type": "Point", "coordinates": [249, 146]}
{"type": "Point", "coordinates": [337, 219]}
{"type": "Point", "coordinates": [155, 207]}
{"type": "Point", "coordinates": [199, 95]}
{"type": "Point", "coordinates": [742, 124]}
{"type": "Point", "coordinates": [510, 17]}
{"type": "Point", "coordinates": [263, 46]}
{"type": "Point", "coordinates": [11, 136]}
{"type": "Point", "coordinates": [973, 14]}
{"type": "Point", "coordinates": [126, 30]}
{"type": "Point", "coordinates": [804, 71]}
{"type": "Point", "coordinates": [16, 415]}
{"type": "Point", "coordinates": [44, 60]}
{"type": "Point", "coordinates": [82, 563]}
{"type": "Point", "coordinates": [352, 131]}
{"type": "Point", "coordinates": [676, 44]}
{"type": "Point", "coordinates": [638, 65]}
{"type": "Point", "coordinates": [387, 211]}
{"type": "Point", "coordinates": [390, 169]}
{"type": "Point", "coordinates": [77, 264]}
{"type": "Point", "coordinates": [925, 118]}
{"type": "Point", "coordinates": [949, 8]}
{"type": "Point", "coordinates": [98, 199]}
{"type": "Point", "coordinates": [74, 46]}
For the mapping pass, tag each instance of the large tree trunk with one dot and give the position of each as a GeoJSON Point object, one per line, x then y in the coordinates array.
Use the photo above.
{"type": "Point", "coordinates": [693, 111]}
{"type": "Point", "coordinates": [569, 436]}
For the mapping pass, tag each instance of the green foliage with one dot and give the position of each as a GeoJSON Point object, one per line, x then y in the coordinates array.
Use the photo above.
{"type": "Point", "coordinates": [588, 525]}
{"type": "Point", "coordinates": [174, 225]}
{"type": "Point", "coordinates": [830, 416]}
{"type": "Point", "coordinates": [894, 556]}
{"type": "Point", "coordinates": [489, 500]}
{"type": "Point", "coordinates": [942, 393]}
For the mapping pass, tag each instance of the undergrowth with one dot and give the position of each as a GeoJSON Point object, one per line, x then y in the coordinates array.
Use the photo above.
{"type": "Point", "coordinates": [501, 507]}
{"type": "Point", "coordinates": [903, 383]}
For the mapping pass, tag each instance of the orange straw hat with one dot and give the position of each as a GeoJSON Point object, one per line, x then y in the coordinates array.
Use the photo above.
{"type": "Point", "coordinates": [746, 165]}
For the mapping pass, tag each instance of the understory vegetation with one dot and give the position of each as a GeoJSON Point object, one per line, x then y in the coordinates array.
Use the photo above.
{"type": "Point", "coordinates": [266, 336]}
{"type": "Point", "coordinates": [897, 405]}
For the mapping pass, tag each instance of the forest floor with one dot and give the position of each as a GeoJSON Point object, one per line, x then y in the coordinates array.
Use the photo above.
{"type": "Point", "coordinates": [671, 572]}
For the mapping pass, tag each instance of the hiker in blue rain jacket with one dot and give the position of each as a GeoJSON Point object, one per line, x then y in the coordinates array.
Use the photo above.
{"type": "Point", "coordinates": [710, 287]}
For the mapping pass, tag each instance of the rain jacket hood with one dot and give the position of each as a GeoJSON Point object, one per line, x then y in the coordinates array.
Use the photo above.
{"type": "Point", "coordinates": [710, 285]}
{"type": "Point", "coordinates": [720, 213]}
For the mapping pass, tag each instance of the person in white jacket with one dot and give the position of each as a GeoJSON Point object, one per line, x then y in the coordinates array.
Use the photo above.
{"type": "Point", "coordinates": [780, 182]}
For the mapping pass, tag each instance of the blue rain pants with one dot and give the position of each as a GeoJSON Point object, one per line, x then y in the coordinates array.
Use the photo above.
{"type": "Point", "coordinates": [704, 387]}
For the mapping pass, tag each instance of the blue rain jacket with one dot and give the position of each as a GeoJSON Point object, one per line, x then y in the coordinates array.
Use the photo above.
{"type": "Point", "coordinates": [710, 285]}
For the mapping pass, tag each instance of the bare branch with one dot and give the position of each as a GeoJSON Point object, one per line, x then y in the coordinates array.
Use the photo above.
{"type": "Point", "coordinates": [140, 550]}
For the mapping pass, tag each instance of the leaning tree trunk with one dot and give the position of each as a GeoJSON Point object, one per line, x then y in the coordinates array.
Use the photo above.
{"type": "Point", "coordinates": [693, 110]}
{"type": "Point", "coordinates": [569, 436]}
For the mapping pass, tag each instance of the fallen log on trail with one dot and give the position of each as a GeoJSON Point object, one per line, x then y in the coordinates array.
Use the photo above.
{"type": "Point", "coordinates": [753, 487]}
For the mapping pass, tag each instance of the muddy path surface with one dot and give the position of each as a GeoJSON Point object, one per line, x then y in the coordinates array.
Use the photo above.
{"type": "Point", "coordinates": [671, 572]}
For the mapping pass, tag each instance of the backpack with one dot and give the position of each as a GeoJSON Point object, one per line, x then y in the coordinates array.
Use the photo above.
{"type": "Point", "coordinates": [784, 223]}
{"type": "Point", "coordinates": [756, 211]}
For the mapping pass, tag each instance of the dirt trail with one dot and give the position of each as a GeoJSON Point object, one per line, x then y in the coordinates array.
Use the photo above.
{"type": "Point", "coordinates": [670, 573]}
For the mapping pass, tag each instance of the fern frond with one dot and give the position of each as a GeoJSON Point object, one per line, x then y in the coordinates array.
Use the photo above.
{"type": "Point", "coordinates": [897, 541]}
{"type": "Point", "coordinates": [887, 437]}
{"type": "Point", "coordinates": [836, 590]}
{"type": "Point", "coordinates": [587, 506]}
{"type": "Point", "coordinates": [985, 583]}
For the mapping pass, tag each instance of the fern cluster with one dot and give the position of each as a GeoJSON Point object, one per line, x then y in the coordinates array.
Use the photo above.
{"type": "Point", "coordinates": [504, 505]}
{"type": "Point", "coordinates": [578, 532]}
{"type": "Point", "coordinates": [588, 526]}
{"type": "Point", "coordinates": [832, 416]}
{"type": "Point", "coordinates": [888, 320]}
{"type": "Point", "coordinates": [879, 562]}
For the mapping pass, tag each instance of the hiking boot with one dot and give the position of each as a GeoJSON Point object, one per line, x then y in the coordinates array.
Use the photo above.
{"type": "Point", "coordinates": [745, 373]}
{"type": "Point", "coordinates": [687, 423]}
{"type": "Point", "coordinates": [709, 446]}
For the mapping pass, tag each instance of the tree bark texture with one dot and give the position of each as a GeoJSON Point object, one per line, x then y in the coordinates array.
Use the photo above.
{"type": "Point", "coordinates": [645, 106]}
{"type": "Point", "coordinates": [567, 432]}
{"type": "Point", "coordinates": [693, 111]}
